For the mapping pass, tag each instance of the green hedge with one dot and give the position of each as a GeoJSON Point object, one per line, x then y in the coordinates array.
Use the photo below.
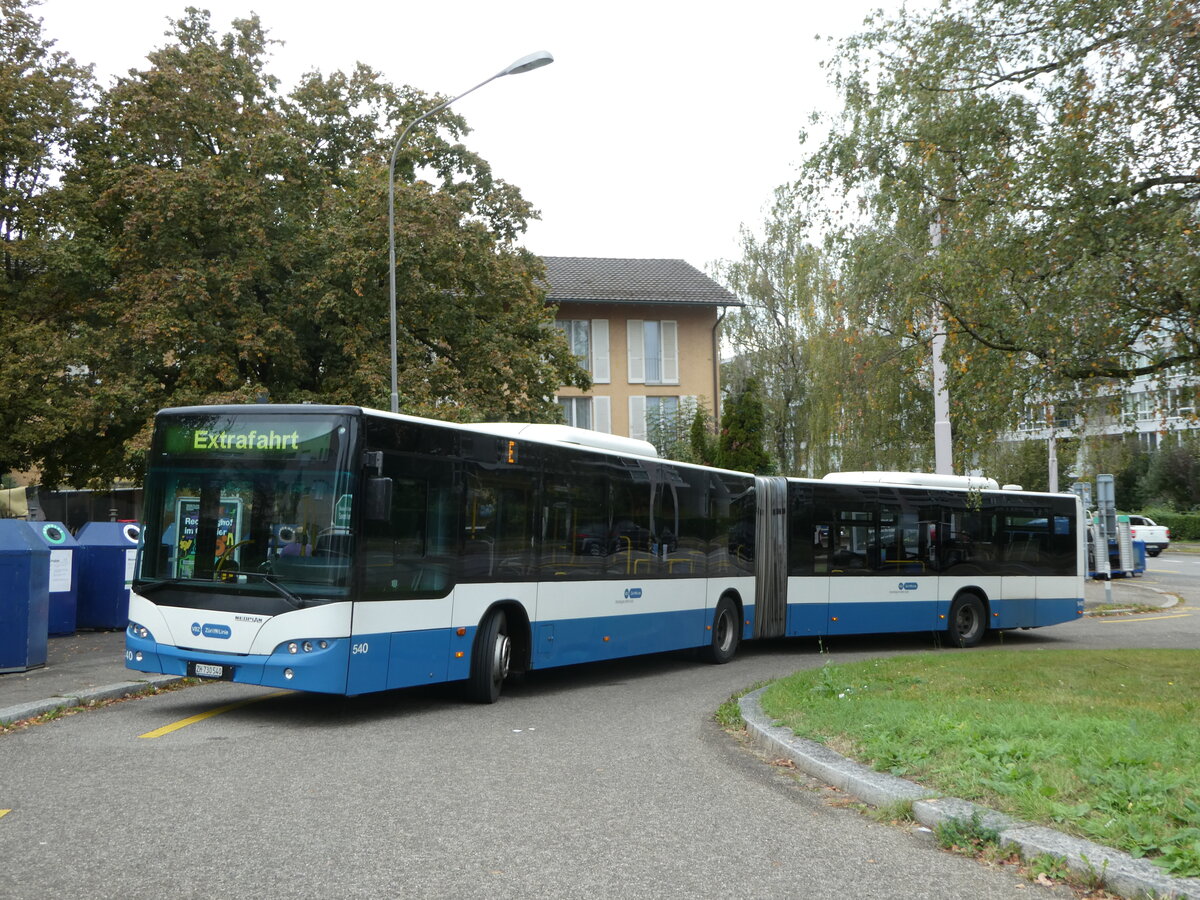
{"type": "Point", "coordinates": [1184, 526]}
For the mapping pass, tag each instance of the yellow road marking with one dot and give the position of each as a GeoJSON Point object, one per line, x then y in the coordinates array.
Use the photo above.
{"type": "Point", "coordinates": [1108, 621]}
{"type": "Point", "coordinates": [192, 720]}
{"type": "Point", "coordinates": [4, 812]}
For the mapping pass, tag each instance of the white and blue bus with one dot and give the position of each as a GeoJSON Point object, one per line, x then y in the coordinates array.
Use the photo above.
{"type": "Point", "coordinates": [343, 550]}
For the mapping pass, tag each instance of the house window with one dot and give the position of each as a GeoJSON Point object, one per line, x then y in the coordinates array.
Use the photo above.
{"type": "Point", "coordinates": [578, 333]}
{"type": "Point", "coordinates": [649, 415]}
{"type": "Point", "coordinates": [661, 407]}
{"type": "Point", "coordinates": [587, 412]}
{"type": "Point", "coordinates": [653, 352]}
{"type": "Point", "coordinates": [588, 340]}
{"type": "Point", "coordinates": [577, 411]}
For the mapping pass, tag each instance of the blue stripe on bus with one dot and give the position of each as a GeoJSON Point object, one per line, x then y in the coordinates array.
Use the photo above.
{"type": "Point", "coordinates": [374, 662]}
{"type": "Point", "coordinates": [865, 617]}
{"type": "Point", "coordinates": [1054, 610]}
{"type": "Point", "coordinates": [569, 641]}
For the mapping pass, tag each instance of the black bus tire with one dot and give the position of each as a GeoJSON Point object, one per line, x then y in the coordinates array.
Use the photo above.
{"type": "Point", "coordinates": [491, 657]}
{"type": "Point", "coordinates": [726, 633]}
{"type": "Point", "coordinates": [968, 621]}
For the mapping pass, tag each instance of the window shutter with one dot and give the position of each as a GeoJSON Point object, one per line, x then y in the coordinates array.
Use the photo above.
{"type": "Point", "coordinates": [637, 352]}
{"type": "Point", "coordinates": [637, 418]}
{"type": "Point", "coordinates": [670, 353]}
{"type": "Point", "coordinates": [602, 414]}
{"type": "Point", "coordinates": [600, 373]}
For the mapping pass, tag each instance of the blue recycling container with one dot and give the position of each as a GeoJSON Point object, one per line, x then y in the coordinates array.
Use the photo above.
{"type": "Point", "coordinates": [1139, 557]}
{"type": "Point", "coordinates": [64, 580]}
{"type": "Point", "coordinates": [107, 554]}
{"type": "Point", "coordinates": [24, 598]}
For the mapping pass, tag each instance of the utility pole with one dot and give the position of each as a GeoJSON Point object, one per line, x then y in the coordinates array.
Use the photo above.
{"type": "Point", "coordinates": [942, 446]}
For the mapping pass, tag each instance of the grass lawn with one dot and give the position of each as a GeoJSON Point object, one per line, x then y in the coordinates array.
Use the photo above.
{"type": "Point", "coordinates": [1101, 744]}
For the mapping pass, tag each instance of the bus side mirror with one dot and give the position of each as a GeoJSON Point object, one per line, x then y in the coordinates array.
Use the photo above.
{"type": "Point", "coordinates": [379, 499]}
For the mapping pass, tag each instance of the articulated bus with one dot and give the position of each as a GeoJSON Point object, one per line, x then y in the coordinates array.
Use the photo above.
{"type": "Point", "coordinates": [343, 550]}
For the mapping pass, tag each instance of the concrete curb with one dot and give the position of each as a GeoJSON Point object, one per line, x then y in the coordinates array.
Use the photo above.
{"type": "Point", "coordinates": [1164, 600]}
{"type": "Point", "coordinates": [1119, 872]}
{"type": "Point", "coordinates": [83, 698]}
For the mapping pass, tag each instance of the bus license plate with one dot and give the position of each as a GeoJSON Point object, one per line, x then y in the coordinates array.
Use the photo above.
{"type": "Point", "coordinates": [208, 670]}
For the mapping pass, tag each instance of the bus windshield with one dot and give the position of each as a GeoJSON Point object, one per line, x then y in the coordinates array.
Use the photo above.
{"type": "Point", "coordinates": [249, 504]}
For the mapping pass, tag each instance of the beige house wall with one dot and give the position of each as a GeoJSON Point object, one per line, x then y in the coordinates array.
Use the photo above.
{"type": "Point", "coordinates": [698, 376]}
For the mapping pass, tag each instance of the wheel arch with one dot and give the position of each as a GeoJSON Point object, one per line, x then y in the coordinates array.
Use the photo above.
{"type": "Point", "coordinates": [977, 591]}
{"type": "Point", "coordinates": [985, 615]}
{"type": "Point", "coordinates": [736, 596]}
{"type": "Point", "coordinates": [520, 632]}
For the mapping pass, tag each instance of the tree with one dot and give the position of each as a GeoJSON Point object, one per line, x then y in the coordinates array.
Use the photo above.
{"type": "Point", "coordinates": [742, 432]}
{"type": "Point", "coordinates": [42, 95]}
{"type": "Point", "coordinates": [833, 396]}
{"type": "Point", "coordinates": [1052, 146]}
{"type": "Point", "coordinates": [1018, 175]}
{"type": "Point", "coordinates": [778, 279]}
{"type": "Point", "coordinates": [683, 433]}
{"type": "Point", "coordinates": [1173, 475]}
{"type": "Point", "coordinates": [232, 245]}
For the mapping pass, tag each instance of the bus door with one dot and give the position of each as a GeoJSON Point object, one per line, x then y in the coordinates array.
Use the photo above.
{"type": "Point", "coordinates": [809, 530]}
{"type": "Point", "coordinates": [1021, 536]}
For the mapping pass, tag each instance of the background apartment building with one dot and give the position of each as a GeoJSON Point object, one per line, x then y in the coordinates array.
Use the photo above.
{"type": "Point", "coordinates": [646, 330]}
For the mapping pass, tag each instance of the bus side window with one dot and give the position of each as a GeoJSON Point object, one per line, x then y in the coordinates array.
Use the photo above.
{"type": "Point", "coordinates": [404, 553]}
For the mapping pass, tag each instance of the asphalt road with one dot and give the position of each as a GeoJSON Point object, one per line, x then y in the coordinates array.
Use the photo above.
{"type": "Point", "coordinates": [1175, 571]}
{"type": "Point", "coordinates": [582, 782]}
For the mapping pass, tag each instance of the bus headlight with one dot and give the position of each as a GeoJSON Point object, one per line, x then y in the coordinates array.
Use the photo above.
{"type": "Point", "coordinates": [308, 646]}
{"type": "Point", "coordinates": [139, 631]}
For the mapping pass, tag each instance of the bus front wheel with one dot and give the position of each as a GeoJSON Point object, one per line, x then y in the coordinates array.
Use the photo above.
{"type": "Point", "coordinates": [491, 658]}
{"type": "Point", "coordinates": [726, 633]}
{"type": "Point", "coordinates": [968, 621]}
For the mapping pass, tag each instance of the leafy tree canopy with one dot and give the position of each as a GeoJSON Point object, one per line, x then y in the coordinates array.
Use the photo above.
{"type": "Point", "coordinates": [740, 444]}
{"type": "Point", "coordinates": [1022, 174]}
{"type": "Point", "coordinates": [222, 242]}
{"type": "Point", "coordinates": [42, 96]}
{"type": "Point", "coordinates": [1055, 145]}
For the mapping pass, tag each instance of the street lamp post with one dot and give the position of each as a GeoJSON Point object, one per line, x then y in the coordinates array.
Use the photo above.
{"type": "Point", "coordinates": [524, 64]}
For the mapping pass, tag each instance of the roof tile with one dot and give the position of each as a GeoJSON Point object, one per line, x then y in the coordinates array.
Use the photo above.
{"type": "Point", "coordinates": [583, 278]}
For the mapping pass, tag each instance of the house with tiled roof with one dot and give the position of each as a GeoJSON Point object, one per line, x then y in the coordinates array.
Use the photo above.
{"type": "Point", "coordinates": [646, 330]}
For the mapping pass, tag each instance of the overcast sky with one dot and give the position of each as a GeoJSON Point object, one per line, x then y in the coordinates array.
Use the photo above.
{"type": "Point", "coordinates": [658, 131]}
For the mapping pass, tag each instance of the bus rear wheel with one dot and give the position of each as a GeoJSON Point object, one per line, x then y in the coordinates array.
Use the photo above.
{"type": "Point", "coordinates": [726, 633]}
{"type": "Point", "coordinates": [491, 658]}
{"type": "Point", "coordinates": [968, 621]}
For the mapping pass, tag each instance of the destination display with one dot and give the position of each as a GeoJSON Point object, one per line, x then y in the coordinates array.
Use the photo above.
{"type": "Point", "coordinates": [281, 436]}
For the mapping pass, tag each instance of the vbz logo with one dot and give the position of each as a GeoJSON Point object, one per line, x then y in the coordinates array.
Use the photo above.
{"type": "Point", "coordinates": [633, 593]}
{"type": "Point", "coordinates": [908, 585]}
{"type": "Point", "coordinates": [212, 631]}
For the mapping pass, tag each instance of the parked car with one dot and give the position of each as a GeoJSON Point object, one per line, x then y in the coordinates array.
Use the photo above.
{"type": "Point", "coordinates": [1157, 538]}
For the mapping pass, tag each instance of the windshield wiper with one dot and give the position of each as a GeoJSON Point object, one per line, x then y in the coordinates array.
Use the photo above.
{"type": "Point", "coordinates": [152, 586]}
{"type": "Point", "coordinates": [295, 601]}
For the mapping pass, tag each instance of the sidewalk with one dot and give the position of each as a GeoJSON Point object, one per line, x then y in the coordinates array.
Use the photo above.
{"type": "Point", "coordinates": [79, 668]}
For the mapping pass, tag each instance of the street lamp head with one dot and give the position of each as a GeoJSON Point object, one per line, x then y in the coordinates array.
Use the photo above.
{"type": "Point", "coordinates": [524, 64]}
{"type": "Point", "coordinates": [527, 63]}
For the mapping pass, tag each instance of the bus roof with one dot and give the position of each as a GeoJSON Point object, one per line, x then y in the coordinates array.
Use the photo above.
{"type": "Point", "coordinates": [542, 433]}
{"type": "Point", "coordinates": [565, 434]}
{"type": "Point", "coordinates": [922, 479]}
